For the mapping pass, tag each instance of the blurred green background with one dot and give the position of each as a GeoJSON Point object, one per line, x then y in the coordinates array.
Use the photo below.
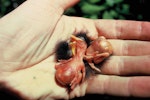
{"type": "Point", "coordinates": [103, 9]}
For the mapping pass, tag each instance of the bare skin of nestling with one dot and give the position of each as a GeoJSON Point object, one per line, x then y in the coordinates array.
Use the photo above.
{"type": "Point", "coordinates": [98, 50]}
{"type": "Point", "coordinates": [72, 71]}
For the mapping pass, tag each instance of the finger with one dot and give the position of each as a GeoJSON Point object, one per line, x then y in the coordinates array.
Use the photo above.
{"type": "Point", "coordinates": [120, 86]}
{"type": "Point", "coordinates": [126, 65]}
{"type": "Point", "coordinates": [119, 29]}
{"type": "Point", "coordinates": [130, 48]}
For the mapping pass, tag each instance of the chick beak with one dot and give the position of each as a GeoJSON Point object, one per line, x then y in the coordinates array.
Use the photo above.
{"type": "Point", "coordinates": [73, 48]}
{"type": "Point", "coordinates": [73, 41]}
{"type": "Point", "coordinates": [74, 38]}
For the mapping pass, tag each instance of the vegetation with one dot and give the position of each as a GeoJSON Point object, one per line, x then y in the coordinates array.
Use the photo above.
{"type": "Point", "coordinates": [104, 9]}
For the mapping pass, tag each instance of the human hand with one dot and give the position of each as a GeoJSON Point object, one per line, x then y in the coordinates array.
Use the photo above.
{"type": "Point", "coordinates": [35, 60]}
{"type": "Point", "coordinates": [127, 70]}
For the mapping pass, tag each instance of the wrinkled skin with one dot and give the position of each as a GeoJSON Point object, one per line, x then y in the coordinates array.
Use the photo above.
{"type": "Point", "coordinates": [71, 72]}
{"type": "Point", "coordinates": [98, 51]}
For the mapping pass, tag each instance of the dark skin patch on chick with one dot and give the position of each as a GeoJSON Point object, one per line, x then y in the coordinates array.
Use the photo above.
{"type": "Point", "coordinates": [63, 51]}
{"type": "Point", "coordinates": [84, 37]}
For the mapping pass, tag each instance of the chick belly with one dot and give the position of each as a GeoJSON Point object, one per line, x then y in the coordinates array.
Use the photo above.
{"type": "Point", "coordinates": [65, 76]}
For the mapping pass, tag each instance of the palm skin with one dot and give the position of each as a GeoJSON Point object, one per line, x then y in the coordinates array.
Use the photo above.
{"type": "Point", "coordinates": [28, 52]}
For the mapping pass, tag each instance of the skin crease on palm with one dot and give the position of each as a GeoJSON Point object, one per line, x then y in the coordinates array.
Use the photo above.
{"type": "Point", "coordinates": [28, 38]}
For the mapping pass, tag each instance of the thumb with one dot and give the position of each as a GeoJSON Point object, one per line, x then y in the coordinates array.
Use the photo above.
{"type": "Point", "coordinates": [67, 3]}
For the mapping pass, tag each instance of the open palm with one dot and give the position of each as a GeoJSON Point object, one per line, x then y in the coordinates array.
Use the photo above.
{"type": "Point", "coordinates": [28, 59]}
